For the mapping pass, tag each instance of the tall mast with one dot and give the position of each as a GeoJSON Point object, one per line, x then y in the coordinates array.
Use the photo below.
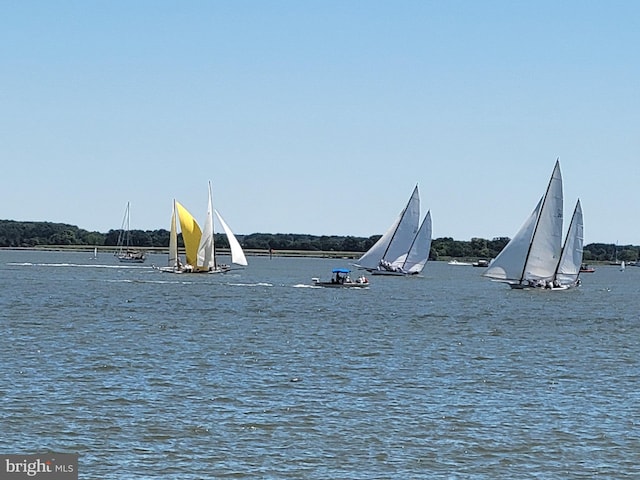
{"type": "Point", "coordinates": [535, 230]}
{"type": "Point", "coordinates": [404, 212]}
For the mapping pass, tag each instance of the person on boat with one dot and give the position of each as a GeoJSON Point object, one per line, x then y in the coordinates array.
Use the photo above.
{"type": "Point", "coordinates": [384, 265]}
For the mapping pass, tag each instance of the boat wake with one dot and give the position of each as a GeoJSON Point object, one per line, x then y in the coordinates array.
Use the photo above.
{"type": "Point", "coordinates": [160, 282]}
{"type": "Point", "coordinates": [78, 265]}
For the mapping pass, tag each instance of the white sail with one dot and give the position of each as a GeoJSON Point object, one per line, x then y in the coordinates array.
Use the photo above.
{"type": "Point", "coordinates": [419, 253]}
{"type": "Point", "coordinates": [372, 257]}
{"type": "Point", "coordinates": [534, 252]}
{"type": "Point", "coordinates": [571, 259]}
{"type": "Point", "coordinates": [509, 264]}
{"type": "Point", "coordinates": [396, 242]}
{"type": "Point", "coordinates": [405, 233]}
{"type": "Point", "coordinates": [124, 236]}
{"type": "Point", "coordinates": [206, 247]}
{"type": "Point", "coordinates": [546, 245]}
{"type": "Point", "coordinates": [237, 254]}
{"type": "Point", "coordinates": [173, 239]}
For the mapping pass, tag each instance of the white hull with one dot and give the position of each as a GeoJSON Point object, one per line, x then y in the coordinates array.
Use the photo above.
{"type": "Point", "coordinates": [341, 285]}
{"type": "Point", "coordinates": [318, 283]}
{"type": "Point", "coordinates": [182, 270]}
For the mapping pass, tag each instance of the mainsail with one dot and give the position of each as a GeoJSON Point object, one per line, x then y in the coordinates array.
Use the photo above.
{"type": "Point", "coordinates": [173, 239]}
{"type": "Point", "coordinates": [546, 245]}
{"type": "Point", "coordinates": [206, 248]}
{"type": "Point", "coordinates": [394, 245]}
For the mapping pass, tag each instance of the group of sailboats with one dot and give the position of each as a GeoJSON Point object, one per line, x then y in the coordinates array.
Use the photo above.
{"type": "Point", "coordinates": [405, 246]}
{"type": "Point", "coordinates": [537, 257]}
{"type": "Point", "coordinates": [199, 244]}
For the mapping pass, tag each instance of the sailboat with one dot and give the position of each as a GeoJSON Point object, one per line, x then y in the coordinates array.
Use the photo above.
{"type": "Point", "coordinates": [536, 256]}
{"type": "Point", "coordinates": [405, 246]}
{"type": "Point", "coordinates": [125, 253]}
{"type": "Point", "coordinates": [200, 251]}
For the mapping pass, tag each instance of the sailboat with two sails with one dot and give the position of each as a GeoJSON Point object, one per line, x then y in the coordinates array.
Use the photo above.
{"type": "Point", "coordinates": [199, 244]}
{"type": "Point", "coordinates": [404, 248]}
{"type": "Point", "coordinates": [537, 257]}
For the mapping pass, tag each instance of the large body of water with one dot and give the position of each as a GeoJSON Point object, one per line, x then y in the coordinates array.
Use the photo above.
{"type": "Point", "coordinates": [254, 374]}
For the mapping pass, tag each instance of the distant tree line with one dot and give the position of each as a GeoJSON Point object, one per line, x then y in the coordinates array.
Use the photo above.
{"type": "Point", "coordinates": [35, 234]}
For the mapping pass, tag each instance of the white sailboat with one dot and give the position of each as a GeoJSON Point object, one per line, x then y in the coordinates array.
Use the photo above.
{"type": "Point", "coordinates": [125, 253]}
{"type": "Point", "coordinates": [535, 256]}
{"type": "Point", "coordinates": [200, 251]}
{"type": "Point", "coordinates": [404, 248]}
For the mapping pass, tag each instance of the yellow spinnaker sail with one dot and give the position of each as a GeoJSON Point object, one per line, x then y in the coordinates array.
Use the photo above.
{"type": "Point", "coordinates": [191, 234]}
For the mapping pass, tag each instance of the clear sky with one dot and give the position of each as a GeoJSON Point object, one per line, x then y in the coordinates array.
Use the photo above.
{"type": "Point", "coordinates": [319, 117]}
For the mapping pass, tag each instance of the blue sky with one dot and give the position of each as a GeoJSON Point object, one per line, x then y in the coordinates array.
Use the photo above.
{"type": "Point", "coordinates": [319, 117]}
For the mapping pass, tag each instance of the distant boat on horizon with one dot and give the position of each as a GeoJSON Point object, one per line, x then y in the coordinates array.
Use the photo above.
{"type": "Point", "coordinates": [125, 253]}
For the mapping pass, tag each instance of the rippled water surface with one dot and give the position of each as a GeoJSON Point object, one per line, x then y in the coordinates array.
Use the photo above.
{"type": "Point", "coordinates": [254, 374]}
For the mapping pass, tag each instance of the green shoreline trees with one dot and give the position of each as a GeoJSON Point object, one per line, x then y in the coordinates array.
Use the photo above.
{"type": "Point", "coordinates": [15, 234]}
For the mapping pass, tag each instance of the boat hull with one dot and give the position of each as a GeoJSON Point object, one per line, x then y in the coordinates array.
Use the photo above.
{"type": "Point", "coordinates": [520, 286]}
{"type": "Point", "coordinates": [179, 270]}
{"type": "Point", "coordinates": [131, 259]}
{"type": "Point", "coordinates": [341, 285]}
{"type": "Point", "coordinates": [392, 274]}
